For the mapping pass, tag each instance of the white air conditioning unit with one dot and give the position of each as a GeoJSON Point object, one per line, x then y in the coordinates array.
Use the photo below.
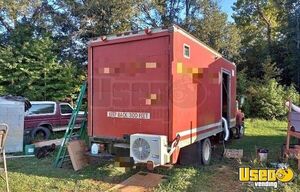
{"type": "Point", "coordinates": [146, 147]}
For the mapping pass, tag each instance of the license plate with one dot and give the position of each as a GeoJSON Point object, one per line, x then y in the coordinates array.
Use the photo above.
{"type": "Point", "coordinates": [128, 115]}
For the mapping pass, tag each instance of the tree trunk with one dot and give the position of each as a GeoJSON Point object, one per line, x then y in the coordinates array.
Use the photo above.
{"type": "Point", "coordinates": [268, 25]}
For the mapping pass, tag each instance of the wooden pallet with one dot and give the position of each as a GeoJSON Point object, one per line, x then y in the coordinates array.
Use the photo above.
{"type": "Point", "coordinates": [233, 153]}
{"type": "Point", "coordinates": [57, 142]}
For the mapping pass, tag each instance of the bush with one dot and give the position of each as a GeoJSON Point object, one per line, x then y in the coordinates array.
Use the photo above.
{"type": "Point", "coordinates": [291, 93]}
{"type": "Point", "coordinates": [266, 100]}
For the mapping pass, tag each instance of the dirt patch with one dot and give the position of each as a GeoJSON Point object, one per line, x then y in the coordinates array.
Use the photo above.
{"type": "Point", "coordinates": [226, 179]}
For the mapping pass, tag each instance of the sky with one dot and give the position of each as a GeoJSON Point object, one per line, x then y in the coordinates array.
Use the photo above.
{"type": "Point", "coordinates": [226, 7]}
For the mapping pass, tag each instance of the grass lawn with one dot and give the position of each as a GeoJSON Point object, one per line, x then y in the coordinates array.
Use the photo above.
{"type": "Point", "coordinates": [31, 174]}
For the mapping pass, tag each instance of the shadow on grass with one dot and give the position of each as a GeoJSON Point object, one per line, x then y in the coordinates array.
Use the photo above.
{"type": "Point", "coordinates": [104, 171]}
{"type": "Point", "coordinates": [220, 175]}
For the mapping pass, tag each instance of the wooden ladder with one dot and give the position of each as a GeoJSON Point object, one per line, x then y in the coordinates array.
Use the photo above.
{"type": "Point", "coordinates": [3, 134]}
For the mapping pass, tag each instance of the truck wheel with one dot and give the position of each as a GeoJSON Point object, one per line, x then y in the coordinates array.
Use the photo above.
{"type": "Point", "coordinates": [27, 139]}
{"type": "Point", "coordinates": [40, 133]}
{"type": "Point", "coordinates": [206, 151]}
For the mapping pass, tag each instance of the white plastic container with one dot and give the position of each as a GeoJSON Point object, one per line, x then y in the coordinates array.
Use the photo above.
{"type": "Point", "coordinates": [95, 149]}
{"type": "Point", "coordinates": [262, 155]}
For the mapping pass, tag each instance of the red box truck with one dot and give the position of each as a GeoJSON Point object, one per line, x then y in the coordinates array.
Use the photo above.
{"type": "Point", "coordinates": [157, 92]}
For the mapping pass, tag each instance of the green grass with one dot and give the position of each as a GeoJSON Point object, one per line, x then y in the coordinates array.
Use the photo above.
{"type": "Point", "coordinates": [262, 134]}
{"type": "Point", "coordinates": [31, 174]}
{"type": "Point", "coordinates": [222, 174]}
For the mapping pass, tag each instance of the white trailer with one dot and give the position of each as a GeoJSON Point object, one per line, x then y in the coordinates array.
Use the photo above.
{"type": "Point", "coordinates": [12, 113]}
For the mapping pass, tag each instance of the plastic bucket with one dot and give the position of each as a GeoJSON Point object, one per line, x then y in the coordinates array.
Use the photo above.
{"type": "Point", "coordinates": [262, 154]}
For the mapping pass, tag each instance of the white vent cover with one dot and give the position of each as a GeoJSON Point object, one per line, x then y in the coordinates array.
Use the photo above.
{"type": "Point", "coordinates": [146, 147]}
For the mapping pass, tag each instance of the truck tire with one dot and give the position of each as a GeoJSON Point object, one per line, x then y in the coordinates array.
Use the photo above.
{"type": "Point", "coordinates": [40, 133]}
{"type": "Point", "coordinates": [27, 139]}
{"type": "Point", "coordinates": [206, 151]}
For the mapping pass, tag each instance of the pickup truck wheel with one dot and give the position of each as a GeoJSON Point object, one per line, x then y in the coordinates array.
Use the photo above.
{"type": "Point", "coordinates": [40, 133]}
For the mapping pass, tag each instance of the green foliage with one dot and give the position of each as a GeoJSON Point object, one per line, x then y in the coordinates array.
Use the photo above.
{"type": "Point", "coordinates": [291, 41]}
{"type": "Point", "coordinates": [292, 94]}
{"type": "Point", "coordinates": [242, 91]}
{"type": "Point", "coordinates": [270, 32]}
{"type": "Point", "coordinates": [74, 23]}
{"type": "Point", "coordinates": [11, 11]}
{"type": "Point", "coordinates": [266, 100]}
{"type": "Point", "coordinates": [31, 69]}
{"type": "Point", "coordinates": [101, 17]}
{"type": "Point", "coordinates": [271, 71]}
{"type": "Point", "coordinates": [242, 84]}
{"type": "Point", "coordinates": [213, 29]}
{"type": "Point", "coordinates": [204, 19]}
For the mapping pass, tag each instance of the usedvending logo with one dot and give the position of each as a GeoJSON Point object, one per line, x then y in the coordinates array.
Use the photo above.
{"type": "Point", "coordinates": [265, 177]}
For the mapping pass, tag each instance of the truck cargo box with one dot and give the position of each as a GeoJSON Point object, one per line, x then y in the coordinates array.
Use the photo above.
{"type": "Point", "coordinates": [162, 82]}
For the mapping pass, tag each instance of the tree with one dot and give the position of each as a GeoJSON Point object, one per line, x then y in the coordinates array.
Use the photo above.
{"type": "Point", "coordinates": [269, 34]}
{"type": "Point", "coordinates": [92, 19]}
{"type": "Point", "coordinates": [43, 43]}
{"type": "Point", "coordinates": [203, 18]}
{"type": "Point", "coordinates": [43, 18]}
{"type": "Point", "coordinates": [30, 68]}
{"type": "Point", "coordinates": [259, 19]}
{"type": "Point", "coordinates": [12, 11]}
{"type": "Point", "coordinates": [213, 29]}
{"type": "Point", "coordinates": [291, 41]}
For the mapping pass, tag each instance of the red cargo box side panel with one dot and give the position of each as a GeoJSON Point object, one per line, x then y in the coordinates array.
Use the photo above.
{"type": "Point", "coordinates": [128, 87]}
{"type": "Point", "coordinates": [210, 107]}
{"type": "Point", "coordinates": [197, 88]}
{"type": "Point", "coordinates": [189, 93]}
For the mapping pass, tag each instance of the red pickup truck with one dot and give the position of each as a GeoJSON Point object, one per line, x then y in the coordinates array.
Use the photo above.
{"type": "Point", "coordinates": [45, 117]}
